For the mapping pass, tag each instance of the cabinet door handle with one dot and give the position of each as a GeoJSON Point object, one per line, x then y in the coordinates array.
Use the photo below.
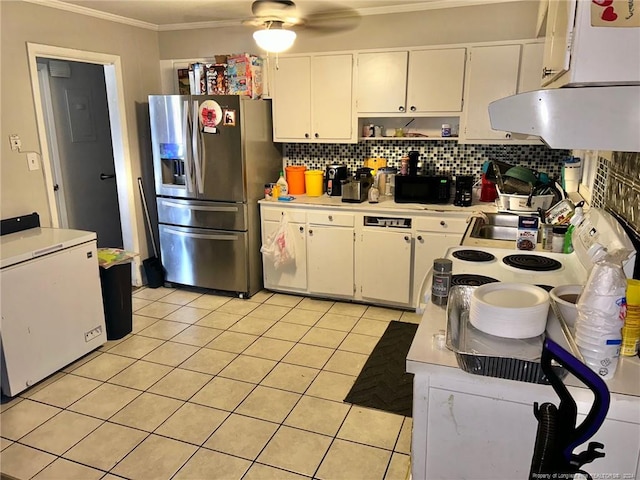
{"type": "Point", "coordinates": [401, 108]}
{"type": "Point", "coordinates": [443, 223]}
{"type": "Point", "coordinates": [310, 232]}
{"type": "Point", "coordinates": [306, 135]}
{"type": "Point", "coordinates": [301, 229]}
{"type": "Point", "coordinates": [413, 108]}
{"type": "Point", "coordinates": [317, 136]}
{"type": "Point", "coordinates": [407, 238]}
{"type": "Point", "coordinates": [547, 71]}
{"type": "Point", "coordinates": [331, 218]}
{"type": "Point", "coordinates": [419, 238]}
{"type": "Point", "coordinates": [508, 135]}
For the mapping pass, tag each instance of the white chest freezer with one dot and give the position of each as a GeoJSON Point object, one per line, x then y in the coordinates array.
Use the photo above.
{"type": "Point", "coordinates": [51, 303]}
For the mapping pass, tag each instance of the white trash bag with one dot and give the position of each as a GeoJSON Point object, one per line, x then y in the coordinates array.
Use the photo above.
{"type": "Point", "coordinates": [279, 245]}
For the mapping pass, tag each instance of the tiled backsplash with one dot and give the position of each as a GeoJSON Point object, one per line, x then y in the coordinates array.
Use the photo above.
{"type": "Point", "coordinates": [622, 193]}
{"type": "Point", "coordinates": [437, 156]}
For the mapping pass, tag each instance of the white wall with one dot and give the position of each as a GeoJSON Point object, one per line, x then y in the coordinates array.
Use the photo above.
{"type": "Point", "coordinates": [22, 191]}
{"type": "Point", "coordinates": [478, 23]}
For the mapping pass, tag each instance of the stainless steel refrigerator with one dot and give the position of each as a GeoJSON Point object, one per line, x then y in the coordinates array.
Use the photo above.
{"type": "Point", "coordinates": [212, 156]}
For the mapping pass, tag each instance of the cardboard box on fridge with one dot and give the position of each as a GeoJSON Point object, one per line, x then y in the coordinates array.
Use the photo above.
{"type": "Point", "coordinates": [244, 73]}
{"type": "Point", "coordinates": [217, 83]}
{"type": "Point", "coordinates": [184, 87]}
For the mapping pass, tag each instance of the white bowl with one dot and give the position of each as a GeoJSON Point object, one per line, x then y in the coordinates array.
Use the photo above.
{"type": "Point", "coordinates": [566, 297]}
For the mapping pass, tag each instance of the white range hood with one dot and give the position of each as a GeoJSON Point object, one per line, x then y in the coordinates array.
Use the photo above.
{"type": "Point", "coordinates": [585, 118]}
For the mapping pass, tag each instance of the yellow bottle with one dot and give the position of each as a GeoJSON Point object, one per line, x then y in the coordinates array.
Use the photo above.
{"type": "Point", "coordinates": [631, 329]}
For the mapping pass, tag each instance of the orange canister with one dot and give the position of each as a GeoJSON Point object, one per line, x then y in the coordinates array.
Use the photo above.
{"type": "Point", "coordinates": [314, 181]}
{"type": "Point", "coordinates": [295, 179]}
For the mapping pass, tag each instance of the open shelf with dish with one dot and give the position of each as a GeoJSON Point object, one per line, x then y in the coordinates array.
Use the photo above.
{"type": "Point", "coordinates": [402, 128]}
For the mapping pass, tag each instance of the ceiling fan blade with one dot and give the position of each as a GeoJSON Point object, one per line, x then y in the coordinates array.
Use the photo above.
{"type": "Point", "coordinates": [273, 8]}
{"type": "Point", "coordinates": [329, 24]}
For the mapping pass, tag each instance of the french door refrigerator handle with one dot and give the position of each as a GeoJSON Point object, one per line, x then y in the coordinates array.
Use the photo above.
{"type": "Point", "coordinates": [187, 156]}
{"type": "Point", "coordinates": [195, 140]}
{"type": "Point", "coordinates": [203, 236]}
{"type": "Point", "coordinates": [203, 155]}
{"type": "Point", "coordinates": [167, 203]}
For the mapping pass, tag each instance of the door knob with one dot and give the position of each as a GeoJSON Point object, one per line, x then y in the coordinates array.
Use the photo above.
{"type": "Point", "coordinates": [106, 177]}
{"type": "Point", "coordinates": [401, 108]}
{"type": "Point", "coordinates": [413, 109]}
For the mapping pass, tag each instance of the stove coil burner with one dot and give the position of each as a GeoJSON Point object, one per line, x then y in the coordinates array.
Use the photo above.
{"type": "Point", "coordinates": [471, 280]}
{"type": "Point", "coordinates": [473, 255]}
{"type": "Point", "coordinates": [534, 263]}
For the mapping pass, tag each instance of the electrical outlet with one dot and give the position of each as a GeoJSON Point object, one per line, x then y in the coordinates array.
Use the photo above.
{"type": "Point", "coordinates": [33, 161]}
{"type": "Point", "coordinates": [14, 139]}
{"type": "Point", "coordinates": [91, 334]}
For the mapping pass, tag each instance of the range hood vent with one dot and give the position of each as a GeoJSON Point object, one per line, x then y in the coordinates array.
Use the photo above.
{"type": "Point", "coordinates": [585, 118]}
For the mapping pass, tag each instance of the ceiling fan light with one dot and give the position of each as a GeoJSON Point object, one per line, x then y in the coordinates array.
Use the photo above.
{"type": "Point", "coordinates": [274, 40]}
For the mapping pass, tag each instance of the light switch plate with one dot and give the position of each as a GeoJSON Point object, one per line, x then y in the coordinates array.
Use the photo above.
{"type": "Point", "coordinates": [33, 161]}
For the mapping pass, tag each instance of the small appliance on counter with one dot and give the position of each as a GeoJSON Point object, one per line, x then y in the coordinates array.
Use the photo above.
{"type": "Point", "coordinates": [356, 190]}
{"type": "Point", "coordinates": [386, 180]}
{"type": "Point", "coordinates": [422, 189]}
{"type": "Point", "coordinates": [333, 176]}
{"type": "Point", "coordinates": [464, 190]}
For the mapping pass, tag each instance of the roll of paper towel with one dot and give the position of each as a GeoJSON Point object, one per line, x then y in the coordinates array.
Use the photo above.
{"type": "Point", "coordinates": [571, 174]}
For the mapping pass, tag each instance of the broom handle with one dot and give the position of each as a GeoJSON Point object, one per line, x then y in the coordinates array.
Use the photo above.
{"type": "Point", "coordinates": [146, 214]}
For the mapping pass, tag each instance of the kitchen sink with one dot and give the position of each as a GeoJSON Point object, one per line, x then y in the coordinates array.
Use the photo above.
{"type": "Point", "coordinates": [495, 226]}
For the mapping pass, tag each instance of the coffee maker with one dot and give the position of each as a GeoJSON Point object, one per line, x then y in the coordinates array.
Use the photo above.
{"type": "Point", "coordinates": [464, 190]}
{"type": "Point", "coordinates": [333, 176]}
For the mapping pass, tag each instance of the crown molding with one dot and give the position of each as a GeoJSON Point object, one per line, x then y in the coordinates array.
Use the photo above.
{"type": "Point", "coordinates": [416, 7]}
{"type": "Point", "coordinates": [70, 7]}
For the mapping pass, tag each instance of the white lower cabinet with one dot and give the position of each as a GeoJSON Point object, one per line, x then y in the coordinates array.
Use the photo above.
{"type": "Point", "coordinates": [337, 256]}
{"type": "Point", "coordinates": [433, 237]}
{"type": "Point", "coordinates": [330, 260]}
{"type": "Point", "coordinates": [384, 265]}
{"type": "Point", "coordinates": [428, 247]}
{"type": "Point", "coordinates": [491, 421]}
{"type": "Point", "coordinates": [291, 277]}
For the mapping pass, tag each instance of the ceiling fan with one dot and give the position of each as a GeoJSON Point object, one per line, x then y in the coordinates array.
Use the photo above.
{"type": "Point", "coordinates": [276, 18]}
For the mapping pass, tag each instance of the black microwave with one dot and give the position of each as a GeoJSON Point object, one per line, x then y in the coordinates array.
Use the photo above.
{"type": "Point", "coordinates": [422, 189]}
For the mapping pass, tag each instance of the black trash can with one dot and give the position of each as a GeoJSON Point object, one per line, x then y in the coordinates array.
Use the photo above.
{"type": "Point", "coordinates": [116, 299]}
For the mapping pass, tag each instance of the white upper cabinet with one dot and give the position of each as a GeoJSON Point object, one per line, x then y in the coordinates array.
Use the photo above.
{"type": "Point", "coordinates": [582, 48]}
{"type": "Point", "coordinates": [382, 82]}
{"type": "Point", "coordinates": [292, 98]}
{"type": "Point", "coordinates": [530, 67]}
{"type": "Point", "coordinates": [493, 74]}
{"type": "Point", "coordinates": [557, 49]}
{"type": "Point", "coordinates": [332, 97]}
{"type": "Point", "coordinates": [419, 82]}
{"type": "Point", "coordinates": [436, 79]}
{"type": "Point", "coordinates": [312, 99]}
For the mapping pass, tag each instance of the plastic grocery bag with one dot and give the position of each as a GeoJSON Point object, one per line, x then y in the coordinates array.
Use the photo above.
{"type": "Point", "coordinates": [279, 245]}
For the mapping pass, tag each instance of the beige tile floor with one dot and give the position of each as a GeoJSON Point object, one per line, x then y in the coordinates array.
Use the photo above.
{"type": "Point", "coordinates": [213, 387]}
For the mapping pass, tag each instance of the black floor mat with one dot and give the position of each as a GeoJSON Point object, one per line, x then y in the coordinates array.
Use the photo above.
{"type": "Point", "coordinates": [383, 383]}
